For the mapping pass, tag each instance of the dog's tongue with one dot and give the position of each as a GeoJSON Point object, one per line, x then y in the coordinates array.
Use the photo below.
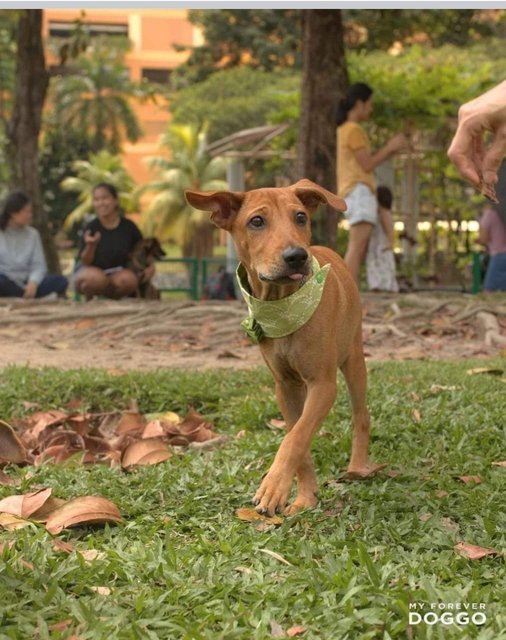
{"type": "Point", "coordinates": [296, 276]}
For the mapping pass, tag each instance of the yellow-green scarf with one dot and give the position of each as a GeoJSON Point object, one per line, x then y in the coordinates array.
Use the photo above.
{"type": "Point", "coordinates": [279, 318]}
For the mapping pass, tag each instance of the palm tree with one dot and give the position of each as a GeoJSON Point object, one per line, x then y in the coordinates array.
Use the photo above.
{"type": "Point", "coordinates": [101, 167]}
{"type": "Point", "coordinates": [95, 101]}
{"type": "Point", "coordinates": [190, 167]}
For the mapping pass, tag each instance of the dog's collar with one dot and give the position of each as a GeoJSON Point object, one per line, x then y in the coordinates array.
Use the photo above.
{"type": "Point", "coordinates": [279, 318]}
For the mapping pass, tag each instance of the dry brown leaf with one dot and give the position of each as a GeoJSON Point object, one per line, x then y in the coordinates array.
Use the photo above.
{"type": "Point", "coordinates": [11, 447]}
{"type": "Point", "coordinates": [370, 473]}
{"type": "Point", "coordinates": [83, 510]}
{"type": "Point", "coordinates": [10, 522]}
{"type": "Point", "coordinates": [165, 416]}
{"type": "Point", "coordinates": [23, 505]}
{"type": "Point", "coordinates": [436, 388]}
{"type": "Point", "coordinates": [277, 630]}
{"type": "Point", "coordinates": [61, 545]}
{"type": "Point", "coordinates": [499, 464]}
{"type": "Point", "coordinates": [58, 346]}
{"type": "Point", "coordinates": [7, 480]}
{"type": "Point", "coordinates": [276, 556]}
{"type": "Point", "coordinates": [90, 555]}
{"type": "Point", "coordinates": [131, 422]}
{"type": "Point", "coordinates": [417, 416]}
{"type": "Point", "coordinates": [473, 552]}
{"type": "Point", "coordinates": [276, 424]}
{"type": "Point", "coordinates": [484, 370]}
{"type": "Point", "coordinates": [154, 429]}
{"type": "Point", "coordinates": [205, 445]}
{"type": "Point", "coordinates": [251, 515]}
{"type": "Point", "coordinates": [149, 451]}
{"type": "Point", "coordinates": [50, 505]}
{"type": "Point", "coordinates": [470, 479]}
{"type": "Point", "coordinates": [449, 524]}
{"type": "Point", "coordinates": [60, 626]}
{"type": "Point", "coordinates": [103, 591]}
{"type": "Point", "coordinates": [42, 419]}
{"type": "Point", "coordinates": [230, 354]}
{"type": "Point", "coordinates": [425, 516]}
{"type": "Point", "coordinates": [57, 453]}
{"type": "Point", "coordinates": [297, 630]}
{"type": "Point", "coordinates": [441, 494]}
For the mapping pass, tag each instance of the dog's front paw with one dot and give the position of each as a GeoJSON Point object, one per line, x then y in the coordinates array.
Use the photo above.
{"type": "Point", "coordinates": [273, 493]}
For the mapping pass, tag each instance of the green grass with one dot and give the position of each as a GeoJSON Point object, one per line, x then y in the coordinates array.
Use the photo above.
{"type": "Point", "coordinates": [183, 566]}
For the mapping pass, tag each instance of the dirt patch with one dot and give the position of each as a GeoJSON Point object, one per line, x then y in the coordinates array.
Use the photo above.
{"type": "Point", "coordinates": [132, 334]}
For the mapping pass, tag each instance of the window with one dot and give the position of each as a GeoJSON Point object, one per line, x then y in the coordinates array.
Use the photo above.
{"type": "Point", "coordinates": [66, 29]}
{"type": "Point", "coordinates": [160, 76]}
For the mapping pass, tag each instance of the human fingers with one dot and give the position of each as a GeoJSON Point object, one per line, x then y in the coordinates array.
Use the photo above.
{"type": "Point", "coordinates": [494, 156]}
{"type": "Point", "coordinates": [462, 153]}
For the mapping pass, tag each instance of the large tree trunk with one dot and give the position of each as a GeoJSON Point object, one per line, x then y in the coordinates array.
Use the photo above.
{"type": "Point", "coordinates": [201, 243]}
{"type": "Point", "coordinates": [24, 127]}
{"type": "Point", "coordinates": [324, 83]}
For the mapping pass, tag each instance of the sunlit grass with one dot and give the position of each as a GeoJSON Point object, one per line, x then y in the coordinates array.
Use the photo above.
{"type": "Point", "coordinates": [183, 566]}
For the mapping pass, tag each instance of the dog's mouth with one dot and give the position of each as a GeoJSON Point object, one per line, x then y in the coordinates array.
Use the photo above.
{"type": "Point", "coordinates": [285, 278]}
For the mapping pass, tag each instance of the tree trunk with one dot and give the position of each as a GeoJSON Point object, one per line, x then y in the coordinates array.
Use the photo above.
{"type": "Point", "coordinates": [24, 127]}
{"type": "Point", "coordinates": [201, 242]}
{"type": "Point", "coordinates": [324, 83]}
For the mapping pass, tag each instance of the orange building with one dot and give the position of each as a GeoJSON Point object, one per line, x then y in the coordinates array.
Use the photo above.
{"type": "Point", "coordinates": [153, 34]}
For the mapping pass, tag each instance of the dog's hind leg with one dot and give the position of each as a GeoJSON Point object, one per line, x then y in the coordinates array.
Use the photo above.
{"type": "Point", "coordinates": [291, 398]}
{"type": "Point", "coordinates": [355, 374]}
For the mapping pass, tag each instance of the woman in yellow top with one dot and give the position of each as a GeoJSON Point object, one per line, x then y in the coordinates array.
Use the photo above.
{"type": "Point", "coordinates": [355, 170]}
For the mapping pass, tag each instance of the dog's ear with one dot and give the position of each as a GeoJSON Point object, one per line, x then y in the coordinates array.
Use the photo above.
{"type": "Point", "coordinates": [224, 205]}
{"type": "Point", "coordinates": [311, 195]}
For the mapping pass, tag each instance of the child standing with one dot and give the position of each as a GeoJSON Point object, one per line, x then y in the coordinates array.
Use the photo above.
{"type": "Point", "coordinates": [380, 261]}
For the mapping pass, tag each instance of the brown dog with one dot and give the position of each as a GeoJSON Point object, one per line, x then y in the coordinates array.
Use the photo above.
{"type": "Point", "coordinates": [271, 229]}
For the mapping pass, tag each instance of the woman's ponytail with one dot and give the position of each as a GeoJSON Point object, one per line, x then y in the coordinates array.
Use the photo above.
{"type": "Point", "coordinates": [342, 112]}
{"type": "Point", "coordinates": [358, 91]}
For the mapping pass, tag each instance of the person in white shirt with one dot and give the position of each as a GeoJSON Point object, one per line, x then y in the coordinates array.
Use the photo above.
{"type": "Point", "coordinates": [23, 269]}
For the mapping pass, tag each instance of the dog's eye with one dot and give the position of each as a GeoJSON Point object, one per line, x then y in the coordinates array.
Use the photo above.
{"type": "Point", "coordinates": [300, 218]}
{"type": "Point", "coordinates": [257, 222]}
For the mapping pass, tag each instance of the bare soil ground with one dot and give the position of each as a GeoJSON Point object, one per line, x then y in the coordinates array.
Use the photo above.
{"type": "Point", "coordinates": [133, 334]}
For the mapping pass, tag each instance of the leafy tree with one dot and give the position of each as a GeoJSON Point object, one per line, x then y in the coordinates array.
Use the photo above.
{"type": "Point", "coordinates": [232, 100]}
{"type": "Point", "coordinates": [380, 28]}
{"type": "Point", "coordinates": [267, 39]}
{"type": "Point", "coordinates": [96, 100]}
{"type": "Point", "coordinates": [58, 152]}
{"type": "Point", "coordinates": [189, 167]}
{"type": "Point", "coordinates": [272, 39]}
{"type": "Point", "coordinates": [101, 167]}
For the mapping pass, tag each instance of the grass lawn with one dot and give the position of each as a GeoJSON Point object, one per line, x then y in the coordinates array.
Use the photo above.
{"type": "Point", "coordinates": [182, 565]}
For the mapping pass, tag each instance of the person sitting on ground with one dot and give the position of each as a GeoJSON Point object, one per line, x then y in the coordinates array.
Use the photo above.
{"type": "Point", "coordinates": [106, 246]}
{"type": "Point", "coordinates": [380, 261]}
{"type": "Point", "coordinates": [23, 269]}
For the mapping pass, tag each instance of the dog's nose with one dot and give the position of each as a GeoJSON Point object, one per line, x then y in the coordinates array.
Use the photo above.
{"type": "Point", "coordinates": [295, 257]}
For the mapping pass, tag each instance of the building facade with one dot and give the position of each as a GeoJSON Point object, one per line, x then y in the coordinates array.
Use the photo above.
{"type": "Point", "coordinates": [153, 34]}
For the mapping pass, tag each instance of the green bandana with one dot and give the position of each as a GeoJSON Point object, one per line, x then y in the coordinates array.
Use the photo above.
{"type": "Point", "coordinates": [279, 318]}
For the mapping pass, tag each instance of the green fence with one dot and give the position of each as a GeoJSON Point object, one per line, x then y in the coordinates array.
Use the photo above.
{"type": "Point", "coordinates": [195, 274]}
